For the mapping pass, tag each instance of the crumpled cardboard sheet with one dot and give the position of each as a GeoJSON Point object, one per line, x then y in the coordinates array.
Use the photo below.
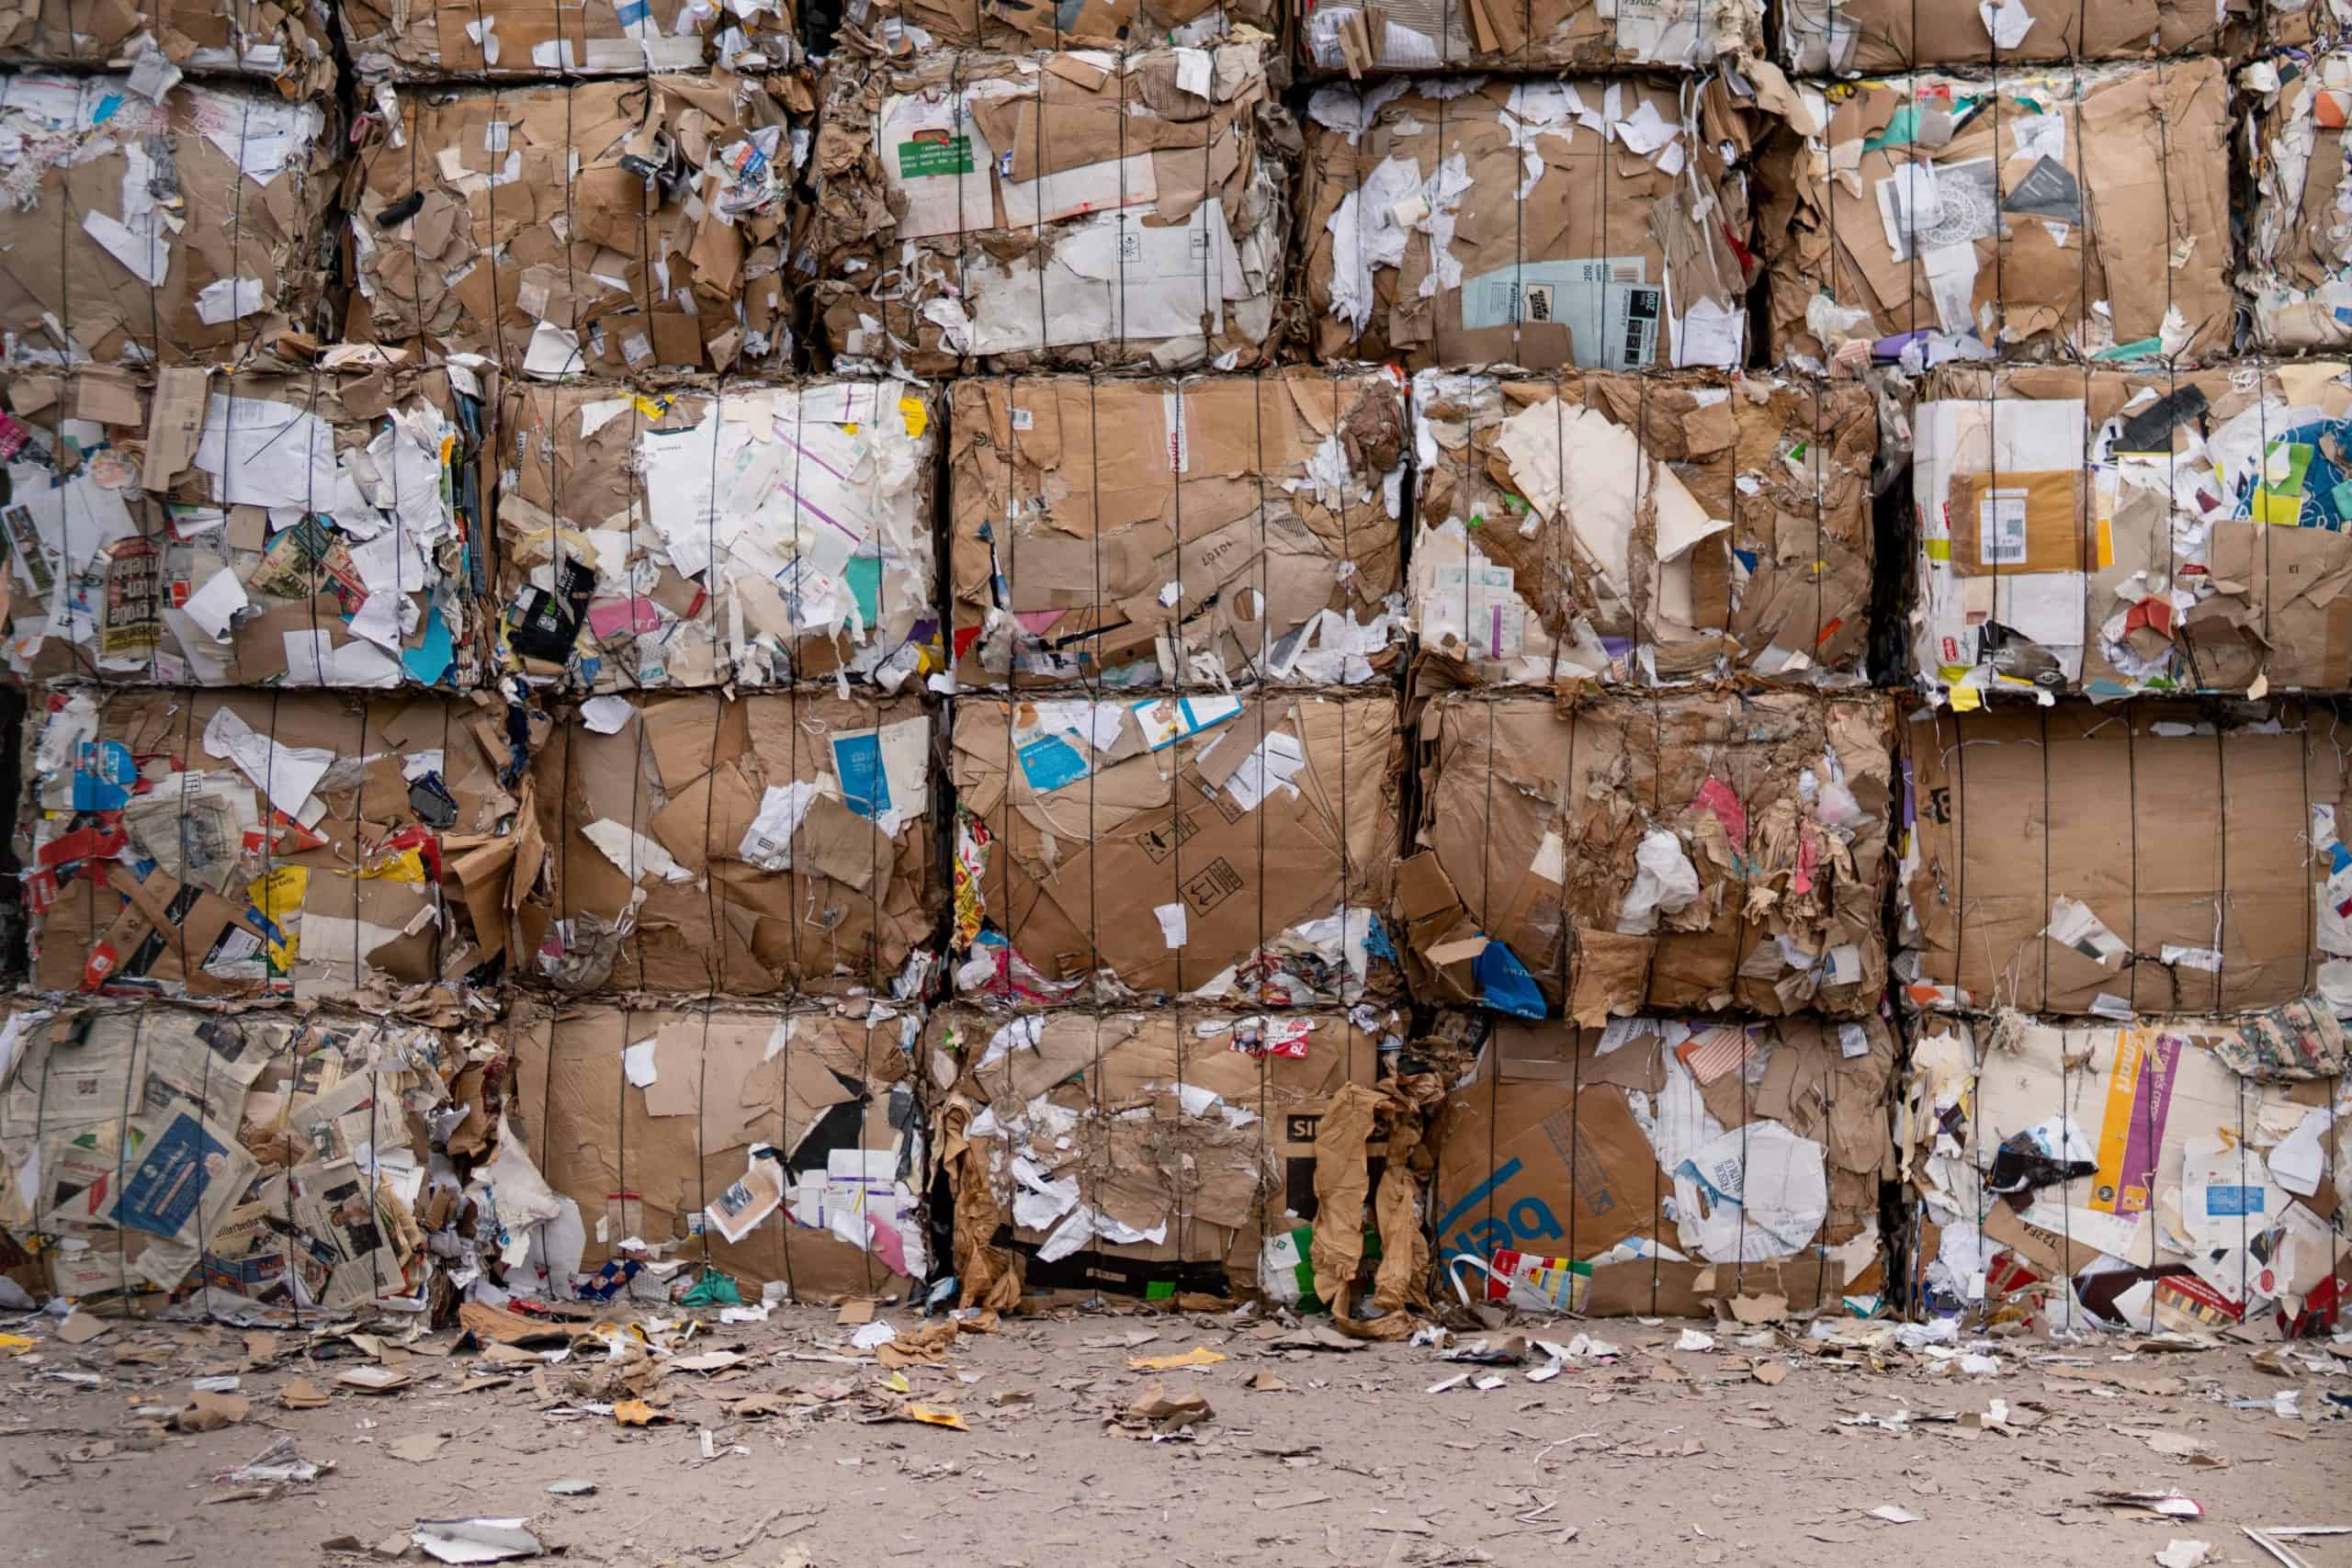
{"type": "Point", "coordinates": [1140, 220]}
{"type": "Point", "coordinates": [1821, 37]}
{"type": "Point", "coordinates": [910, 28]}
{"type": "Point", "coordinates": [1343, 36]}
{"type": "Point", "coordinates": [2130, 1157]}
{"type": "Point", "coordinates": [1228, 850]}
{"type": "Point", "coordinates": [173, 1159]}
{"type": "Point", "coordinates": [1539, 223]}
{"type": "Point", "coordinates": [637, 226]}
{"type": "Point", "coordinates": [125, 260]}
{"type": "Point", "coordinates": [2115, 533]}
{"type": "Point", "coordinates": [2110, 185]}
{"type": "Point", "coordinates": [602, 38]}
{"type": "Point", "coordinates": [247, 845]}
{"type": "Point", "coordinates": [698, 536]}
{"type": "Point", "coordinates": [1666, 1165]}
{"type": "Point", "coordinates": [760, 845]}
{"type": "Point", "coordinates": [1655, 530]}
{"type": "Point", "coordinates": [1071, 496]}
{"type": "Point", "coordinates": [2298, 264]}
{"type": "Point", "coordinates": [1722, 850]}
{"type": "Point", "coordinates": [2306, 24]}
{"type": "Point", "coordinates": [316, 527]}
{"type": "Point", "coordinates": [1128, 1150]}
{"type": "Point", "coordinates": [2132, 858]}
{"type": "Point", "coordinates": [287, 44]}
{"type": "Point", "coordinates": [774, 1144]}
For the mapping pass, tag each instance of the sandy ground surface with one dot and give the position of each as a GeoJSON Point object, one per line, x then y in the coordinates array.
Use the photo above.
{"type": "Point", "coordinates": [1308, 1455]}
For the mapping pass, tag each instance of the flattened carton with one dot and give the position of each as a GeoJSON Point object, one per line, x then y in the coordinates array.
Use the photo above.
{"type": "Point", "coordinates": [1262, 546]}
{"type": "Point", "coordinates": [300, 527]}
{"type": "Point", "coordinates": [164, 40]}
{"type": "Point", "coordinates": [1843, 38]}
{"type": "Point", "coordinates": [1653, 529]}
{"type": "Point", "coordinates": [1665, 1165]}
{"type": "Point", "coordinates": [1724, 852]}
{"type": "Point", "coordinates": [771, 844]}
{"type": "Point", "coordinates": [2143, 858]}
{"type": "Point", "coordinates": [471, 39]}
{"type": "Point", "coordinates": [2114, 532]}
{"type": "Point", "coordinates": [1231, 850]}
{"type": "Point", "coordinates": [711, 535]}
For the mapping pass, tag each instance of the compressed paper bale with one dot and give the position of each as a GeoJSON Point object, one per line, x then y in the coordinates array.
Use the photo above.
{"type": "Point", "coordinates": [1231, 850]}
{"type": "Point", "coordinates": [1658, 529]}
{"type": "Point", "coordinates": [1821, 37]}
{"type": "Point", "coordinates": [602, 228]}
{"type": "Point", "coordinates": [605, 38]}
{"type": "Point", "coordinates": [1070, 497]}
{"type": "Point", "coordinates": [2132, 858]}
{"type": "Point", "coordinates": [2047, 555]}
{"type": "Point", "coordinates": [905, 29]}
{"type": "Point", "coordinates": [2096, 235]}
{"type": "Point", "coordinates": [2298, 270]}
{"type": "Point", "coordinates": [287, 45]}
{"type": "Point", "coordinates": [1431, 236]}
{"type": "Point", "coordinates": [304, 527]}
{"type": "Point", "coordinates": [768, 844]}
{"type": "Point", "coordinates": [117, 257]}
{"type": "Point", "coordinates": [1151, 181]}
{"type": "Point", "coordinates": [751, 534]}
{"type": "Point", "coordinates": [1430, 35]}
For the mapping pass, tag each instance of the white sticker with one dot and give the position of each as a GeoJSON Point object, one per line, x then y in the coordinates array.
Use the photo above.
{"type": "Point", "coordinates": [2000, 528]}
{"type": "Point", "coordinates": [1171, 411]}
{"type": "Point", "coordinates": [1171, 923]}
{"type": "Point", "coordinates": [1853, 1040]}
{"type": "Point", "coordinates": [1023, 419]}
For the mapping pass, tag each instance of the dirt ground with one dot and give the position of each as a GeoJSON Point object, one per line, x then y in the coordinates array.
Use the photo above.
{"type": "Point", "coordinates": [1308, 1455]}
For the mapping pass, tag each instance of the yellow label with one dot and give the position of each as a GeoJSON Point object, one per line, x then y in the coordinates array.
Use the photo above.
{"type": "Point", "coordinates": [647, 407]}
{"type": "Point", "coordinates": [2105, 543]}
{"type": "Point", "coordinates": [406, 867]}
{"type": "Point", "coordinates": [1966, 699]}
{"type": "Point", "coordinates": [1939, 549]}
{"type": "Point", "coordinates": [917, 417]}
{"type": "Point", "coordinates": [2115, 1129]}
{"type": "Point", "coordinates": [277, 896]}
{"type": "Point", "coordinates": [2280, 511]}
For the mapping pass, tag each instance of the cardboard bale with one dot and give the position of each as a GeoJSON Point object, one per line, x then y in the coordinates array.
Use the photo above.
{"type": "Point", "coordinates": [2115, 533]}
{"type": "Point", "coordinates": [320, 527]}
{"type": "Point", "coordinates": [1350, 37]}
{"type": "Point", "coordinates": [285, 44]}
{"type": "Point", "coordinates": [1420, 246]}
{"type": "Point", "coordinates": [1230, 850]}
{"type": "Point", "coordinates": [750, 535]}
{"type": "Point", "coordinates": [903, 28]}
{"type": "Point", "coordinates": [2150, 857]}
{"type": "Point", "coordinates": [242, 1163]}
{"type": "Point", "coordinates": [1669, 1165]}
{"type": "Point", "coordinates": [1139, 1153]}
{"type": "Point", "coordinates": [761, 845]}
{"type": "Point", "coordinates": [773, 1143]}
{"type": "Point", "coordinates": [118, 257]}
{"type": "Point", "coordinates": [479, 38]}
{"type": "Point", "coordinates": [1893, 210]}
{"type": "Point", "coordinates": [1658, 529]}
{"type": "Point", "coordinates": [2155, 1175]}
{"type": "Point", "coordinates": [2297, 266]}
{"type": "Point", "coordinates": [1282, 488]}
{"type": "Point", "coordinates": [1825, 38]}
{"type": "Point", "coordinates": [603, 228]}
{"type": "Point", "coordinates": [979, 211]}
{"type": "Point", "coordinates": [241, 845]}
{"type": "Point", "coordinates": [1715, 850]}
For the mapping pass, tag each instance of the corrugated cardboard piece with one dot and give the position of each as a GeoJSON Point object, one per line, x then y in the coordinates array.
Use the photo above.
{"type": "Point", "coordinates": [697, 537]}
{"type": "Point", "coordinates": [753, 846]}
{"type": "Point", "coordinates": [1082, 209]}
{"type": "Point", "coordinates": [521, 38]}
{"type": "Point", "coordinates": [1070, 497]}
{"type": "Point", "coordinates": [1130, 1151]}
{"type": "Point", "coordinates": [637, 226]}
{"type": "Point", "coordinates": [1821, 37]}
{"type": "Point", "coordinates": [910, 29]}
{"type": "Point", "coordinates": [1544, 224]}
{"type": "Point", "coordinates": [320, 527]}
{"type": "Point", "coordinates": [2117, 533]}
{"type": "Point", "coordinates": [285, 44]}
{"type": "Point", "coordinates": [1721, 851]}
{"type": "Point", "coordinates": [241, 845]}
{"type": "Point", "coordinates": [2146, 857]}
{"type": "Point", "coordinates": [2299, 270]}
{"type": "Point", "coordinates": [1235, 850]}
{"type": "Point", "coordinates": [1665, 1165]}
{"type": "Point", "coordinates": [121, 259]}
{"type": "Point", "coordinates": [2306, 24]}
{"type": "Point", "coordinates": [1642, 528]}
{"type": "Point", "coordinates": [2167, 1169]}
{"type": "Point", "coordinates": [771, 1144]}
{"type": "Point", "coordinates": [2094, 226]}
{"type": "Point", "coordinates": [1556, 35]}
{"type": "Point", "coordinates": [158, 1149]}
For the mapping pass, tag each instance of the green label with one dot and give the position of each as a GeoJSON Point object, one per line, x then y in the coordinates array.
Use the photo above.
{"type": "Point", "coordinates": [917, 159]}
